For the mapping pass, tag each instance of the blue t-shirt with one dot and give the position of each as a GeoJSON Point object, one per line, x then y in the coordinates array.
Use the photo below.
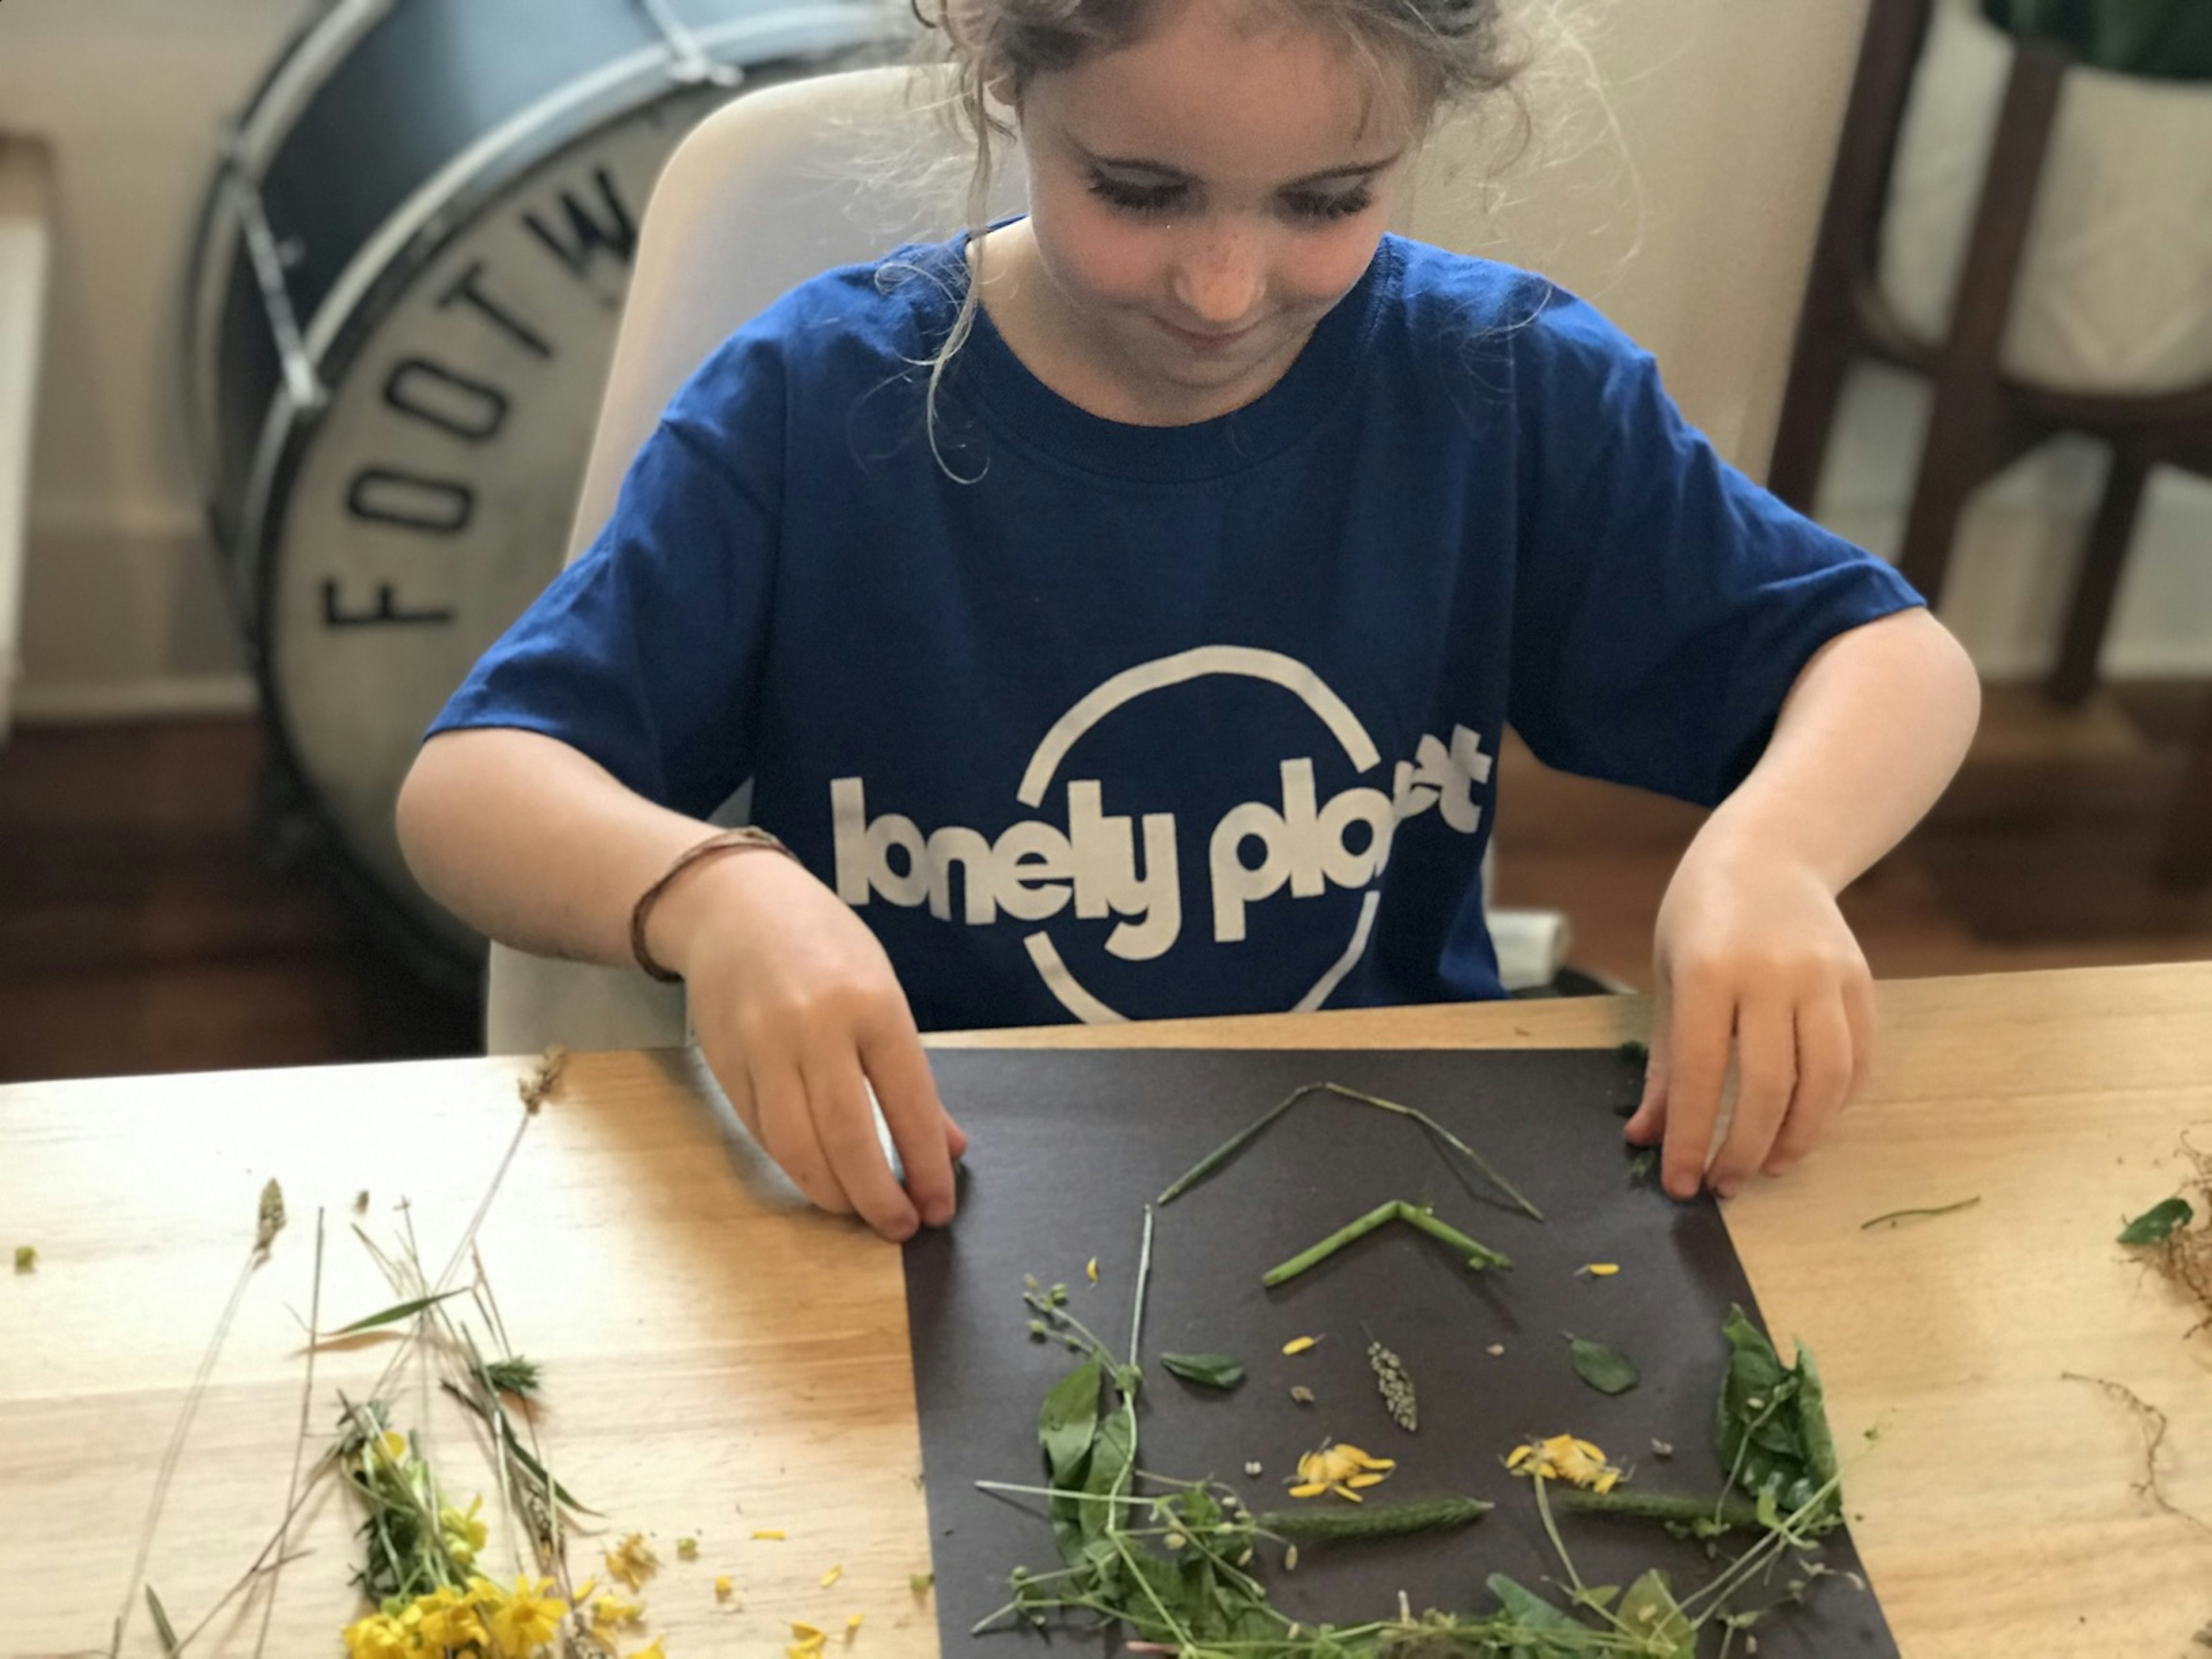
{"type": "Point", "coordinates": [1150, 722]}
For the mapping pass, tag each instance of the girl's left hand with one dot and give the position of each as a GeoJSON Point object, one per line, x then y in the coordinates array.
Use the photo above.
{"type": "Point", "coordinates": [1752, 953]}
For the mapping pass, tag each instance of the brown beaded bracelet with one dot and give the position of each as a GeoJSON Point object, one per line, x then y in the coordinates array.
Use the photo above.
{"type": "Point", "coordinates": [728, 840]}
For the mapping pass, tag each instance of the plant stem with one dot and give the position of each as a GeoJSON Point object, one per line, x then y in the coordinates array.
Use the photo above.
{"type": "Point", "coordinates": [1489, 1171]}
{"type": "Point", "coordinates": [1941, 1209]}
{"type": "Point", "coordinates": [256, 1253]}
{"type": "Point", "coordinates": [1664, 1506]}
{"type": "Point", "coordinates": [1144, 1274]}
{"type": "Point", "coordinates": [1236, 1144]}
{"type": "Point", "coordinates": [1351, 1233]}
{"type": "Point", "coordinates": [299, 1443]}
{"type": "Point", "coordinates": [1476, 1255]}
{"type": "Point", "coordinates": [1479, 1255]}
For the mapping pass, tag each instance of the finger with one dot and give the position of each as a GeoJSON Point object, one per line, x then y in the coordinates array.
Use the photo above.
{"type": "Point", "coordinates": [787, 1133]}
{"type": "Point", "coordinates": [919, 1128]}
{"type": "Point", "coordinates": [1765, 1079]}
{"type": "Point", "coordinates": [1823, 1077]}
{"type": "Point", "coordinates": [1859, 1009]}
{"type": "Point", "coordinates": [956, 1138]}
{"type": "Point", "coordinates": [1697, 1067]}
{"type": "Point", "coordinates": [1648, 1123]}
{"type": "Point", "coordinates": [845, 1123]}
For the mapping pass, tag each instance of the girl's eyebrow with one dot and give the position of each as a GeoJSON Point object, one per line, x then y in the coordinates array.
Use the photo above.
{"type": "Point", "coordinates": [1325, 176]}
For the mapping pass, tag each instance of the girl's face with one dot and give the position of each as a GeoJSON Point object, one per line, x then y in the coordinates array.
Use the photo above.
{"type": "Point", "coordinates": [1199, 199]}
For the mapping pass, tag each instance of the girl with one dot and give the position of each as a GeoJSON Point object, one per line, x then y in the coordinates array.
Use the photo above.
{"type": "Point", "coordinates": [1116, 611]}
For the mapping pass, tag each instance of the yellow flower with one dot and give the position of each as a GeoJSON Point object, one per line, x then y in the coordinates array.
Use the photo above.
{"type": "Point", "coordinates": [608, 1612]}
{"type": "Point", "coordinates": [464, 1533]}
{"type": "Point", "coordinates": [632, 1560]}
{"type": "Point", "coordinates": [1563, 1457]}
{"type": "Point", "coordinates": [377, 1636]}
{"type": "Point", "coordinates": [1339, 1469]}
{"type": "Point", "coordinates": [518, 1624]}
{"type": "Point", "coordinates": [446, 1619]}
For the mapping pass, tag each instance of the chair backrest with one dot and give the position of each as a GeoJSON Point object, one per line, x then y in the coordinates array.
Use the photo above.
{"type": "Point", "coordinates": [781, 184]}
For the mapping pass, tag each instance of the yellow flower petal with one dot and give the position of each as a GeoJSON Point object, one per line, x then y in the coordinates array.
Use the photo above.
{"type": "Point", "coordinates": [1602, 1269]}
{"type": "Point", "coordinates": [771, 1533]}
{"type": "Point", "coordinates": [1343, 1490]}
{"type": "Point", "coordinates": [722, 1588]}
{"type": "Point", "coordinates": [1091, 1270]}
{"type": "Point", "coordinates": [853, 1622]}
{"type": "Point", "coordinates": [807, 1632]}
{"type": "Point", "coordinates": [832, 1576]}
{"type": "Point", "coordinates": [1364, 1480]}
{"type": "Point", "coordinates": [1299, 1344]}
{"type": "Point", "coordinates": [1309, 1489]}
{"type": "Point", "coordinates": [1520, 1457]}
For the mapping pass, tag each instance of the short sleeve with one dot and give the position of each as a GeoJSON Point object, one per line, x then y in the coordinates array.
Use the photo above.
{"type": "Point", "coordinates": [1664, 603]}
{"type": "Point", "coordinates": [645, 653]}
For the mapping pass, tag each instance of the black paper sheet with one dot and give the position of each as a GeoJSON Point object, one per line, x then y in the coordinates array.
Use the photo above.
{"type": "Point", "coordinates": [1067, 1147]}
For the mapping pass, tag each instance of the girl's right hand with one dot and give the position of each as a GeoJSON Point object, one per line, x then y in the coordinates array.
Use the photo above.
{"type": "Point", "coordinates": [798, 1013]}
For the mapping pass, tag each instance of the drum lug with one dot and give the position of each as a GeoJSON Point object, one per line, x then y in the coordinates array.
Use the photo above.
{"type": "Point", "coordinates": [271, 259]}
{"type": "Point", "coordinates": [689, 63]}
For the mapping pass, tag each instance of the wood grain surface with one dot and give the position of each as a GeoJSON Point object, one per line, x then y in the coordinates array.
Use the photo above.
{"type": "Point", "coordinates": [718, 1359]}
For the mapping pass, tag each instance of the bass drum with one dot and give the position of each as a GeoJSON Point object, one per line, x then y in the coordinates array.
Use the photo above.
{"type": "Point", "coordinates": [403, 305]}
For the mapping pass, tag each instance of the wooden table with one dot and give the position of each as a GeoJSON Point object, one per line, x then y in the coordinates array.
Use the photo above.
{"type": "Point", "coordinates": [718, 1360]}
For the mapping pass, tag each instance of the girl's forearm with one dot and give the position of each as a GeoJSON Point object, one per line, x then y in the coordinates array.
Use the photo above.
{"type": "Point", "coordinates": [1876, 723]}
{"type": "Point", "coordinates": [534, 844]}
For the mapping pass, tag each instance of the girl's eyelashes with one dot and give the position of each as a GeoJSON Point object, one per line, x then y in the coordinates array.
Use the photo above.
{"type": "Point", "coordinates": [1308, 205]}
{"type": "Point", "coordinates": [1136, 198]}
{"type": "Point", "coordinates": [1144, 200]}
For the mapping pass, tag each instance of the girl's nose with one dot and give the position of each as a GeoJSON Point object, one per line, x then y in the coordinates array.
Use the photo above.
{"type": "Point", "coordinates": [1220, 280]}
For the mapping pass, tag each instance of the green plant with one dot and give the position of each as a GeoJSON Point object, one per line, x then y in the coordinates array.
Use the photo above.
{"type": "Point", "coordinates": [2165, 40]}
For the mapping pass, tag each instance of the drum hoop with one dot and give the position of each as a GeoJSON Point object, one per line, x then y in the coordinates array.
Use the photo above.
{"type": "Point", "coordinates": [315, 53]}
{"type": "Point", "coordinates": [440, 207]}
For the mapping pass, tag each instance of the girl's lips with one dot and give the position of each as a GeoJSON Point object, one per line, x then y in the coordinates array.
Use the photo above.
{"type": "Point", "coordinates": [1207, 344]}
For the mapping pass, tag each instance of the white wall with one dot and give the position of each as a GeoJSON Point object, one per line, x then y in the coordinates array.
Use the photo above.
{"type": "Point", "coordinates": [1728, 108]}
{"type": "Point", "coordinates": [121, 609]}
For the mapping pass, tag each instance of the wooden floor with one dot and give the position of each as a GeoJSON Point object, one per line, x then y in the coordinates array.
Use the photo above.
{"type": "Point", "coordinates": [146, 926]}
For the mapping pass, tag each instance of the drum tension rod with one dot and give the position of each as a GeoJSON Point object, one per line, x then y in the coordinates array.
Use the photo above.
{"type": "Point", "coordinates": [688, 62]}
{"type": "Point", "coordinates": [267, 258]}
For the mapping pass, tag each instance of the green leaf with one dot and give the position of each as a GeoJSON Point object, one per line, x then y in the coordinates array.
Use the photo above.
{"type": "Point", "coordinates": [1068, 1426]}
{"type": "Point", "coordinates": [1113, 1459]}
{"type": "Point", "coordinates": [1605, 1369]}
{"type": "Point", "coordinates": [393, 1315]}
{"type": "Point", "coordinates": [1207, 1370]}
{"type": "Point", "coordinates": [162, 1628]}
{"type": "Point", "coordinates": [2159, 1223]}
{"type": "Point", "coordinates": [1068, 1422]}
{"type": "Point", "coordinates": [1650, 1611]}
{"type": "Point", "coordinates": [1525, 1605]}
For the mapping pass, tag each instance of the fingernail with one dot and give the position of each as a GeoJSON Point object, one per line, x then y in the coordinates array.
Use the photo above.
{"type": "Point", "coordinates": [1681, 1187]}
{"type": "Point", "coordinates": [1726, 1189]}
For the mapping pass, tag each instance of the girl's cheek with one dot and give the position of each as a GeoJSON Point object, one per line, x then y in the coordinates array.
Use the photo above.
{"type": "Point", "coordinates": [1324, 266]}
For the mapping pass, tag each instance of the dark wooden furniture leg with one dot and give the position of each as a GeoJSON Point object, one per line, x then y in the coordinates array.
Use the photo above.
{"type": "Point", "coordinates": [1827, 327]}
{"type": "Point", "coordinates": [2090, 613]}
{"type": "Point", "coordinates": [2186, 860]}
{"type": "Point", "coordinates": [1973, 429]}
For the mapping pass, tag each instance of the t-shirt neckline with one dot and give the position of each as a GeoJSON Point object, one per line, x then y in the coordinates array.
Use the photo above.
{"type": "Point", "coordinates": [1023, 411]}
